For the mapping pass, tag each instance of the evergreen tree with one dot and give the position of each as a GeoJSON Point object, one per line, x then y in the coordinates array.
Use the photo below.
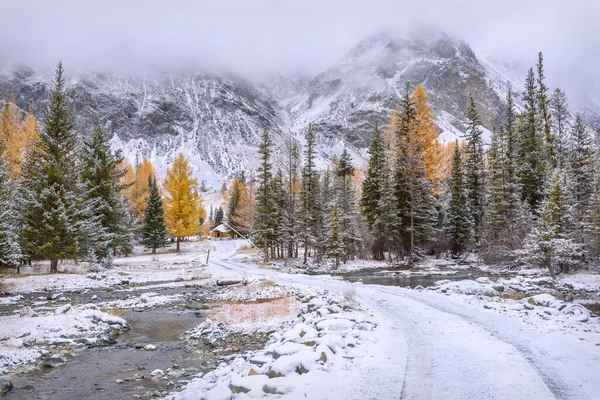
{"type": "Point", "coordinates": [101, 177]}
{"type": "Point", "coordinates": [459, 225]}
{"type": "Point", "coordinates": [346, 199]}
{"type": "Point", "coordinates": [372, 190]}
{"type": "Point", "coordinates": [531, 166]}
{"type": "Point", "coordinates": [10, 251]}
{"type": "Point", "coordinates": [335, 243]}
{"type": "Point", "coordinates": [219, 216]}
{"type": "Point", "coordinates": [56, 224]}
{"type": "Point", "coordinates": [154, 232]}
{"type": "Point", "coordinates": [474, 168]}
{"type": "Point", "coordinates": [581, 173]}
{"type": "Point", "coordinates": [183, 204]}
{"type": "Point", "coordinates": [544, 114]}
{"type": "Point", "coordinates": [594, 220]}
{"type": "Point", "coordinates": [265, 212]}
{"type": "Point", "coordinates": [510, 139]}
{"type": "Point", "coordinates": [551, 245]}
{"type": "Point", "coordinates": [291, 166]}
{"type": "Point", "coordinates": [559, 107]}
{"type": "Point", "coordinates": [311, 202]}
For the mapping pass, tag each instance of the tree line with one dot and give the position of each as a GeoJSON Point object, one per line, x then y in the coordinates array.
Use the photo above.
{"type": "Point", "coordinates": [531, 196]}
{"type": "Point", "coordinates": [63, 196]}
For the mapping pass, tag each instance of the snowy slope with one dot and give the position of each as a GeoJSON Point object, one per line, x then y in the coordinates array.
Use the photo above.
{"type": "Point", "coordinates": [216, 119]}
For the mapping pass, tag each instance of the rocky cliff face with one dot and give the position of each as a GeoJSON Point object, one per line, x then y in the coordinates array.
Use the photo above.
{"type": "Point", "coordinates": [216, 119]}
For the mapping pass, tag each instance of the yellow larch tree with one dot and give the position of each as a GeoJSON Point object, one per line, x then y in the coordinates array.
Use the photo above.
{"type": "Point", "coordinates": [18, 136]}
{"type": "Point", "coordinates": [183, 207]}
{"type": "Point", "coordinates": [137, 193]}
{"type": "Point", "coordinates": [427, 134]}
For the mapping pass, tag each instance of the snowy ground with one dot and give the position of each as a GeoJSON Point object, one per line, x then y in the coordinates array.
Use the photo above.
{"type": "Point", "coordinates": [512, 337]}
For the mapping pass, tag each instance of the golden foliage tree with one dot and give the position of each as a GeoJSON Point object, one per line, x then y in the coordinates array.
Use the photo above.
{"type": "Point", "coordinates": [137, 193]}
{"type": "Point", "coordinates": [18, 136]}
{"type": "Point", "coordinates": [183, 204]}
{"type": "Point", "coordinates": [238, 207]}
{"type": "Point", "coordinates": [427, 134]}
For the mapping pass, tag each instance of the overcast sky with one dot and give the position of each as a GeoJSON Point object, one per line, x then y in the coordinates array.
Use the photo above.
{"type": "Point", "coordinates": [296, 35]}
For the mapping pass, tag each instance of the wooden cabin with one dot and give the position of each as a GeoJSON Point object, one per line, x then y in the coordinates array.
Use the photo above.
{"type": "Point", "coordinates": [222, 232]}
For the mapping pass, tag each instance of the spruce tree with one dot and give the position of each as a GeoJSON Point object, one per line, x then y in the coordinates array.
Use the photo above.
{"type": "Point", "coordinates": [312, 219]}
{"type": "Point", "coordinates": [265, 212]}
{"type": "Point", "coordinates": [559, 109]}
{"type": "Point", "coordinates": [510, 139]}
{"type": "Point", "coordinates": [459, 225]}
{"type": "Point", "coordinates": [101, 176]}
{"type": "Point", "coordinates": [593, 219]}
{"type": "Point", "coordinates": [154, 231]}
{"type": "Point", "coordinates": [474, 168]}
{"type": "Point", "coordinates": [581, 173]}
{"type": "Point", "coordinates": [335, 246]}
{"type": "Point", "coordinates": [544, 114]}
{"type": "Point", "coordinates": [219, 216]}
{"type": "Point", "coordinates": [372, 190]}
{"type": "Point", "coordinates": [532, 169]}
{"type": "Point", "coordinates": [551, 245]}
{"type": "Point", "coordinates": [10, 251]}
{"type": "Point", "coordinates": [56, 225]}
{"type": "Point", "coordinates": [291, 167]}
{"type": "Point", "coordinates": [346, 200]}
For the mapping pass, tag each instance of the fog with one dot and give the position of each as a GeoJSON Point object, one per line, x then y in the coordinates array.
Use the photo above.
{"type": "Point", "coordinates": [300, 36]}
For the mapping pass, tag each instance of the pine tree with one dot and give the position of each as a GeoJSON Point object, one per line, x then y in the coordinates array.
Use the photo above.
{"type": "Point", "coordinates": [510, 139]}
{"type": "Point", "coordinates": [581, 173]}
{"type": "Point", "coordinates": [291, 166]}
{"type": "Point", "coordinates": [311, 202]}
{"type": "Point", "coordinates": [372, 190]}
{"type": "Point", "coordinates": [459, 225]}
{"type": "Point", "coordinates": [551, 245]}
{"type": "Point", "coordinates": [55, 223]}
{"type": "Point", "coordinates": [101, 177]}
{"type": "Point", "coordinates": [182, 201]}
{"type": "Point", "coordinates": [532, 169]}
{"type": "Point", "coordinates": [346, 200]}
{"type": "Point", "coordinates": [219, 216]}
{"type": "Point", "coordinates": [544, 114]}
{"type": "Point", "coordinates": [474, 168]}
{"type": "Point", "coordinates": [594, 220]}
{"type": "Point", "coordinates": [154, 232]}
{"type": "Point", "coordinates": [10, 251]}
{"type": "Point", "coordinates": [559, 107]}
{"type": "Point", "coordinates": [335, 246]}
{"type": "Point", "coordinates": [265, 212]}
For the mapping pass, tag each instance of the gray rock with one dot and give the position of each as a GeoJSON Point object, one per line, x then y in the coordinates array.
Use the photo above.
{"type": "Point", "coordinates": [5, 387]}
{"type": "Point", "coordinates": [53, 362]}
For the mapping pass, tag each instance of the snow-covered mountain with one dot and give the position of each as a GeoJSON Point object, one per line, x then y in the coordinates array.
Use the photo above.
{"type": "Point", "coordinates": [216, 119]}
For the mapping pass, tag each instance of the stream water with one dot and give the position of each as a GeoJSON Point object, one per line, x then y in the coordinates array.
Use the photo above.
{"type": "Point", "coordinates": [93, 373]}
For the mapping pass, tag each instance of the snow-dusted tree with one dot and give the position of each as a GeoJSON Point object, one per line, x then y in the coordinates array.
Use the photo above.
{"type": "Point", "coordinates": [219, 216]}
{"type": "Point", "coordinates": [10, 251]}
{"type": "Point", "coordinates": [559, 109]}
{"type": "Point", "coordinates": [265, 212]}
{"type": "Point", "coordinates": [532, 168]}
{"type": "Point", "coordinates": [594, 221]}
{"type": "Point", "coordinates": [474, 168]}
{"type": "Point", "coordinates": [335, 246]}
{"type": "Point", "coordinates": [290, 165]}
{"type": "Point", "coordinates": [154, 231]}
{"type": "Point", "coordinates": [581, 174]}
{"type": "Point", "coordinates": [311, 208]}
{"type": "Point", "coordinates": [56, 223]}
{"type": "Point", "coordinates": [458, 224]}
{"type": "Point", "coordinates": [101, 176]}
{"type": "Point", "coordinates": [551, 245]}
{"type": "Point", "coordinates": [346, 199]}
{"type": "Point", "coordinates": [544, 114]}
{"type": "Point", "coordinates": [372, 191]}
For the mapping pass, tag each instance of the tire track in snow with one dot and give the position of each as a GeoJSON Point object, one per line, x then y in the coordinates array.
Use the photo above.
{"type": "Point", "coordinates": [418, 373]}
{"type": "Point", "coordinates": [535, 356]}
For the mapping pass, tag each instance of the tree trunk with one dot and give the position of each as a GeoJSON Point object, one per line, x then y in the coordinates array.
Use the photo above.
{"type": "Point", "coordinates": [153, 249]}
{"type": "Point", "coordinates": [178, 240]}
{"type": "Point", "coordinates": [53, 266]}
{"type": "Point", "coordinates": [266, 249]}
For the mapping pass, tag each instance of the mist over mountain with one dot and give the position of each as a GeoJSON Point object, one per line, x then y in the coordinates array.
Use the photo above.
{"type": "Point", "coordinates": [216, 118]}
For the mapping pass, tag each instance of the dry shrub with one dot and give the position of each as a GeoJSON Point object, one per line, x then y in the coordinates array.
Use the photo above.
{"type": "Point", "coordinates": [235, 312]}
{"type": "Point", "coordinates": [350, 296]}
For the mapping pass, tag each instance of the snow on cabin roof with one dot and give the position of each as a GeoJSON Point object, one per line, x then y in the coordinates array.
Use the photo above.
{"type": "Point", "coordinates": [221, 228]}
